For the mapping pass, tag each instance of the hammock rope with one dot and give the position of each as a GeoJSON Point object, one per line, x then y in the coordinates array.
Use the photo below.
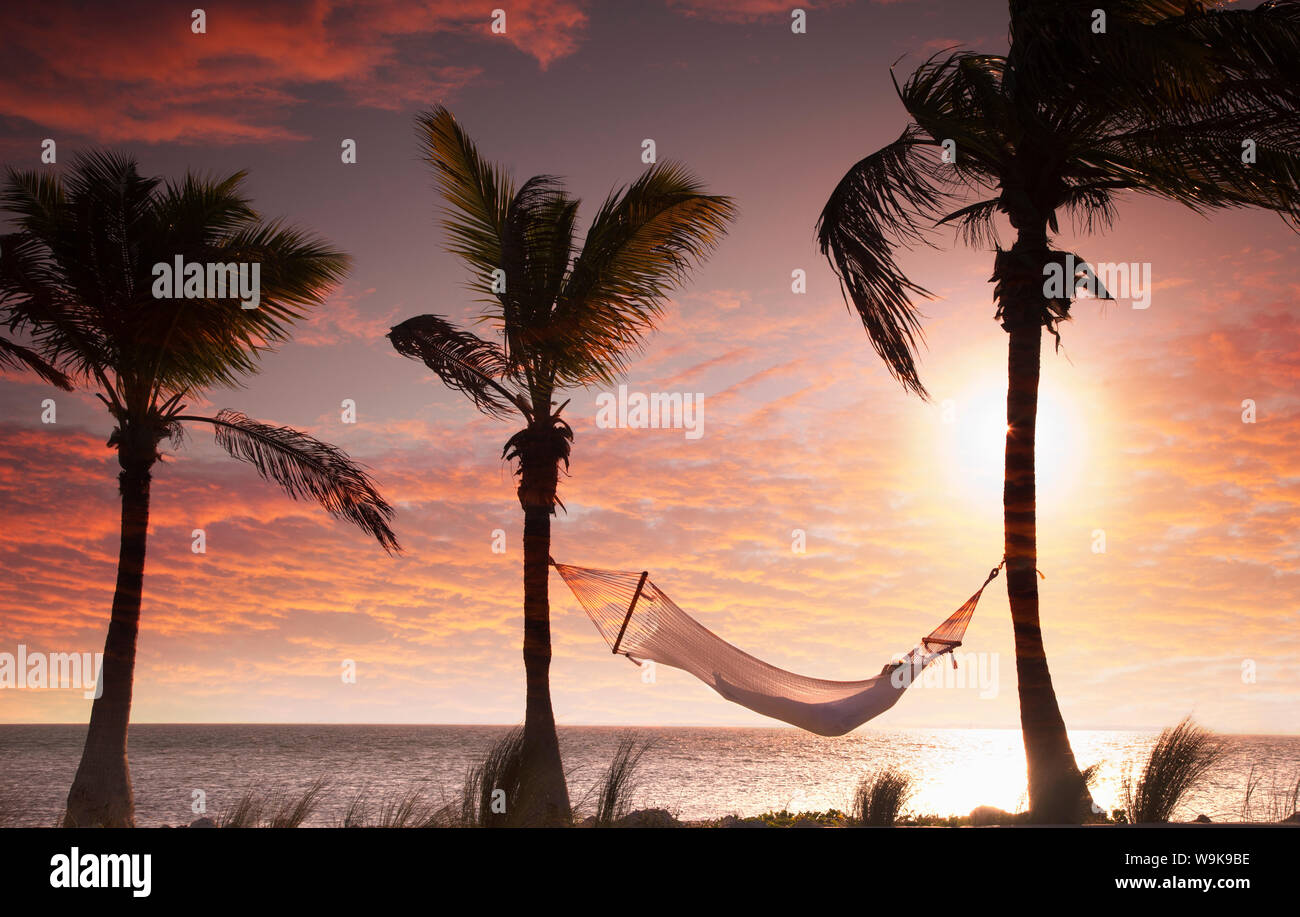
{"type": "Point", "coordinates": [640, 621]}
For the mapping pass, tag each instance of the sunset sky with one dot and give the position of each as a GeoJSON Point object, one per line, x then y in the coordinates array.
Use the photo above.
{"type": "Point", "coordinates": [1141, 429]}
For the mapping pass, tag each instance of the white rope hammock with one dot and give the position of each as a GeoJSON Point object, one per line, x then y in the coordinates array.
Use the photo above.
{"type": "Point", "coordinates": [640, 622]}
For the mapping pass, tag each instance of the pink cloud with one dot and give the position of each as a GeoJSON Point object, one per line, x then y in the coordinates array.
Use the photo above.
{"type": "Point", "coordinates": [342, 321]}
{"type": "Point", "coordinates": [135, 71]}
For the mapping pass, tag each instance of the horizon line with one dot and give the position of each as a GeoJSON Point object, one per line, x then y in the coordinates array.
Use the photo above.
{"type": "Point", "coordinates": [782, 728]}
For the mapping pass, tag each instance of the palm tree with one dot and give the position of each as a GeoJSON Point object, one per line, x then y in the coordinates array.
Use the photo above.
{"type": "Point", "coordinates": [1160, 103]}
{"type": "Point", "coordinates": [78, 277]}
{"type": "Point", "coordinates": [562, 317]}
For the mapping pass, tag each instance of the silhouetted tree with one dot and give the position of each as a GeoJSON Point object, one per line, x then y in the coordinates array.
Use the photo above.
{"type": "Point", "coordinates": [78, 278]}
{"type": "Point", "coordinates": [1157, 98]}
{"type": "Point", "coordinates": [563, 317]}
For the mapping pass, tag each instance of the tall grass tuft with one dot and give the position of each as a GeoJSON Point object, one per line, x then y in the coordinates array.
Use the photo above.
{"type": "Point", "coordinates": [291, 811]}
{"type": "Point", "coordinates": [619, 783]}
{"type": "Point", "coordinates": [407, 810]}
{"type": "Point", "coordinates": [502, 783]}
{"type": "Point", "coordinates": [247, 812]}
{"type": "Point", "coordinates": [880, 797]}
{"type": "Point", "coordinates": [358, 811]}
{"type": "Point", "coordinates": [403, 809]}
{"type": "Point", "coordinates": [495, 791]}
{"type": "Point", "coordinates": [279, 810]}
{"type": "Point", "coordinates": [1178, 762]}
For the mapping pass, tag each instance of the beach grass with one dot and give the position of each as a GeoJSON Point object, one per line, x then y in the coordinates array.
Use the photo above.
{"type": "Point", "coordinates": [1279, 802]}
{"type": "Point", "coordinates": [499, 786]}
{"type": "Point", "coordinates": [614, 791]}
{"type": "Point", "coordinates": [1179, 760]}
{"type": "Point", "coordinates": [279, 809]}
{"type": "Point", "coordinates": [879, 798]}
{"type": "Point", "coordinates": [405, 809]}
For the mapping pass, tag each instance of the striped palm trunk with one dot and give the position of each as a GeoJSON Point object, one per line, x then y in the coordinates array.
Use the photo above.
{"type": "Point", "coordinates": [1056, 790]}
{"type": "Point", "coordinates": [546, 796]}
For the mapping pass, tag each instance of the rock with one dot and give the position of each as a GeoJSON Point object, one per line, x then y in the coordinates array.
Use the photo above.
{"type": "Point", "coordinates": [203, 822]}
{"type": "Point", "coordinates": [991, 815]}
{"type": "Point", "coordinates": [1292, 819]}
{"type": "Point", "coordinates": [588, 822]}
{"type": "Point", "coordinates": [1202, 819]}
{"type": "Point", "coordinates": [648, 818]}
{"type": "Point", "coordinates": [735, 821]}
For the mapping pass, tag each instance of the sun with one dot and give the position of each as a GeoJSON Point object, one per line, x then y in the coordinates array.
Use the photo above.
{"type": "Point", "coordinates": [972, 433]}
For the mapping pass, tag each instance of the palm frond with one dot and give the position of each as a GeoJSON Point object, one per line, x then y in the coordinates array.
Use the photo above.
{"type": "Point", "coordinates": [1161, 102]}
{"type": "Point", "coordinates": [1056, 54]}
{"type": "Point", "coordinates": [1091, 207]}
{"type": "Point", "coordinates": [15, 356]}
{"type": "Point", "coordinates": [192, 343]}
{"type": "Point", "coordinates": [306, 467]}
{"type": "Point", "coordinates": [643, 241]}
{"type": "Point", "coordinates": [537, 247]}
{"type": "Point", "coordinates": [462, 360]}
{"type": "Point", "coordinates": [477, 193]}
{"type": "Point", "coordinates": [78, 277]}
{"type": "Point", "coordinates": [35, 299]}
{"type": "Point", "coordinates": [36, 199]}
{"type": "Point", "coordinates": [1199, 164]}
{"type": "Point", "coordinates": [963, 98]}
{"type": "Point", "coordinates": [199, 211]}
{"type": "Point", "coordinates": [888, 199]}
{"type": "Point", "coordinates": [297, 271]}
{"type": "Point", "coordinates": [975, 226]}
{"type": "Point", "coordinates": [565, 319]}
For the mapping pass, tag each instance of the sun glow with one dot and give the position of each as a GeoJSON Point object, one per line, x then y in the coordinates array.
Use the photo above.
{"type": "Point", "coordinates": [972, 439]}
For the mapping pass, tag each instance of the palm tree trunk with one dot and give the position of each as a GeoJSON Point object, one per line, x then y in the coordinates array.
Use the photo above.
{"type": "Point", "coordinates": [1056, 790]}
{"type": "Point", "coordinates": [101, 791]}
{"type": "Point", "coordinates": [546, 797]}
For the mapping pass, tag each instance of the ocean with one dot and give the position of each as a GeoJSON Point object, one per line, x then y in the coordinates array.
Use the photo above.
{"type": "Point", "coordinates": [694, 772]}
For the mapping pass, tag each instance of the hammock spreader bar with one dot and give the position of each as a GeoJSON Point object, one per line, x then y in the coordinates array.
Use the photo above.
{"type": "Point", "coordinates": [641, 622]}
{"type": "Point", "coordinates": [631, 608]}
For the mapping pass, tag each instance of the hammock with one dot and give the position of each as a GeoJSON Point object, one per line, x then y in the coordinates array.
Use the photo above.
{"type": "Point", "coordinates": [640, 622]}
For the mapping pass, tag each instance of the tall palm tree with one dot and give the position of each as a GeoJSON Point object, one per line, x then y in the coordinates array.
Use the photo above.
{"type": "Point", "coordinates": [562, 317]}
{"type": "Point", "coordinates": [1160, 103]}
{"type": "Point", "coordinates": [77, 276]}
